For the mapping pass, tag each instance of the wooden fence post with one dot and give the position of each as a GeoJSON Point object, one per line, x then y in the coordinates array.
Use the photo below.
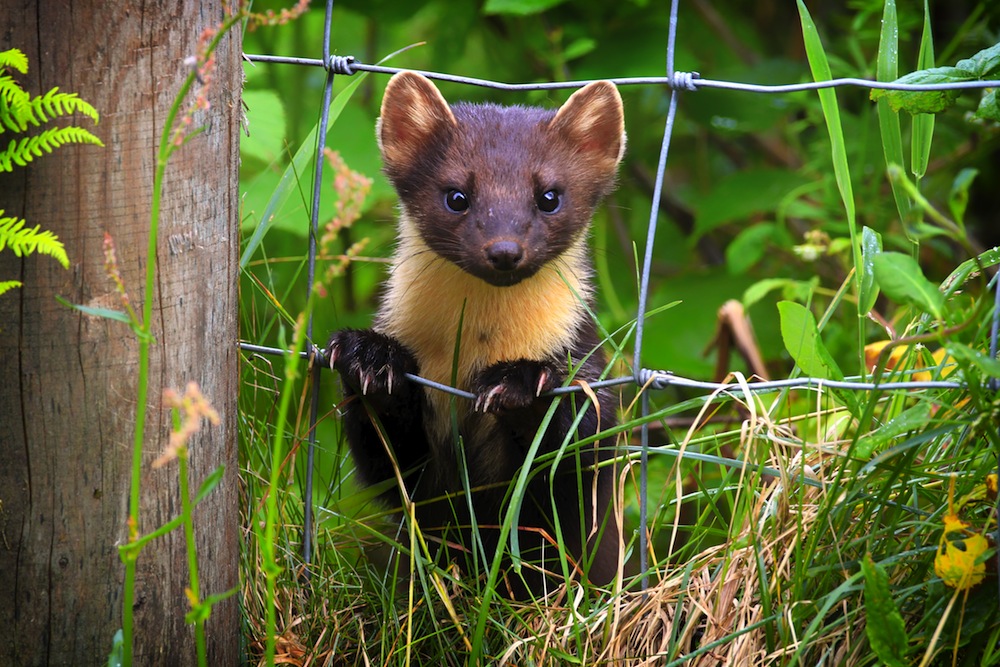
{"type": "Point", "coordinates": [68, 381]}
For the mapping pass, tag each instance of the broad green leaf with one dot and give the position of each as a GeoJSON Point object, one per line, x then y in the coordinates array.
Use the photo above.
{"type": "Point", "coordinates": [871, 247]}
{"type": "Point", "coordinates": [888, 120]}
{"type": "Point", "coordinates": [264, 138]}
{"type": "Point", "coordinates": [929, 101]}
{"type": "Point", "coordinates": [958, 198]}
{"type": "Point", "coordinates": [910, 419]}
{"type": "Point", "coordinates": [983, 63]}
{"type": "Point", "coordinates": [519, 7]}
{"type": "Point", "coordinates": [802, 340]}
{"type": "Point", "coordinates": [884, 624]}
{"type": "Point", "coordinates": [984, 362]}
{"type": "Point", "coordinates": [989, 107]}
{"type": "Point", "coordinates": [901, 279]}
{"type": "Point", "coordinates": [923, 123]}
{"type": "Point", "coordinates": [791, 290]}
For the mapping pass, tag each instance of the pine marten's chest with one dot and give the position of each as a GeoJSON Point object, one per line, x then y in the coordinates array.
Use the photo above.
{"type": "Point", "coordinates": [433, 307]}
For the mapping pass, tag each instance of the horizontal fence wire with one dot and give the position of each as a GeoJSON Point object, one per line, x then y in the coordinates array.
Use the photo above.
{"type": "Point", "coordinates": [346, 65]}
{"type": "Point", "coordinates": [644, 378]}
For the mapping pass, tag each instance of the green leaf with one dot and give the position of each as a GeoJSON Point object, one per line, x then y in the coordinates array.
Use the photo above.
{"type": "Point", "coordinates": [24, 241]}
{"type": "Point", "coordinates": [901, 279]}
{"type": "Point", "coordinates": [984, 362]}
{"type": "Point", "coordinates": [883, 622]}
{"type": "Point", "coordinates": [871, 247]}
{"type": "Point", "coordinates": [910, 419]}
{"type": "Point", "coordinates": [929, 101]}
{"type": "Point", "coordinates": [7, 285]}
{"type": "Point", "coordinates": [923, 123]}
{"type": "Point", "coordinates": [983, 63]}
{"type": "Point", "coordinates": [820, 67]}
{"type": "Point", "coordinates": [791, 290]}
{"type": "Point", "coordinates": [209, 483]}
{"type": "Point", "coordinates": [888, 120]}
{"type": "Point", "coordinates": [802, 340]}
{"type": "Point", "coordinates": [969, 267]}
{"type": "Point", "coordinates": [749, 246]}
{"type": "Point", "coordinates": [15, 59]}
{"type": "Point", "coordinates": [989, 107]}
{"type": "Point", "coordinates": [21, 152]}
{"type": "Point", "coordinates": [519, 7]}
{"type": "Point", "coordinates": [958, 198]}
{"type": "Point", "coordinates": [264, 139]}
{"type": "Point", "coordinates": [107, 313]}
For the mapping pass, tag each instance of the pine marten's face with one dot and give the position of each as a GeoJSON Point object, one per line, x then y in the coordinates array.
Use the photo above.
{"type": "Point", "coordinates": [499, 191]}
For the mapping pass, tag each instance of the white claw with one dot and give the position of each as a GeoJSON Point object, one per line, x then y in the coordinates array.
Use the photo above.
{"type": "Point", "coordinates": [333, 357]}
{"type": "Point", "coordinates": [490, 395]}
{"type": "Point", "coordinates": [365, 380]}
{"type": "Point", "coordinates": [543, 378]}
{"type": "Point", "coordinates": [388, 380]}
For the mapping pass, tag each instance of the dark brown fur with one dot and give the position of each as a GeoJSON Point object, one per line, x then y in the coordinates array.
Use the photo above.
{"type": "Point", "coordinates": [504, 261]}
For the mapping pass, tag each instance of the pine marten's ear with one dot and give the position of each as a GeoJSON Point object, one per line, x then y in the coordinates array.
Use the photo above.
{"type": "Point", "coordinates": [413, 112]}
{"type": "Point", "coordinates": [593, 121]}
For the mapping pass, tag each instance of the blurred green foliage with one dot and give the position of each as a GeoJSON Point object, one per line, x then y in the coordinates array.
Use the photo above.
{"type": "Point", "coordinates": [748, 175]}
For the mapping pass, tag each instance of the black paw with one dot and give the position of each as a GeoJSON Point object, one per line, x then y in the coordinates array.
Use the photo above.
{"type": "Point", "coordinates": [514, 385]}
{"type": "Point", "coordinates": [370, 363]}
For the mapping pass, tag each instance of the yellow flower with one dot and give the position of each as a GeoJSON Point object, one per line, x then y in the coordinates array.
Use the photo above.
{"type": "Point", "coordinates": [959, 560]}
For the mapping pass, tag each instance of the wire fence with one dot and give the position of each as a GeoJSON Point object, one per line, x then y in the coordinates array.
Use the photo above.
{"type": "Point", "coordinates": [677, 82]}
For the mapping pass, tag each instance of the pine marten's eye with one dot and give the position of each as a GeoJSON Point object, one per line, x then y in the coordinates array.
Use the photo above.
{"type": "Point", "coordinates": [456, 201]}
{"type": "Point", "coordinates": [549, 201]}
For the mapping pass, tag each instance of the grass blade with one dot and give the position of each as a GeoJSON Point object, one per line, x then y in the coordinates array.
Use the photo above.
{"type": "Point", "coordinates": [888, 120]}
{"type": "Point", "coordinates": [923, 123]}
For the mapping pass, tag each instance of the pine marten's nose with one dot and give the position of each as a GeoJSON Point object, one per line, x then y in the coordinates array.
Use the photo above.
{"type": "Point", "coordinates": [504, 255]}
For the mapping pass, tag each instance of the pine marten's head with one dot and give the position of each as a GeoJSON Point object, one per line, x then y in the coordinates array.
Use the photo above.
{"type": "Point", "coordinates": [499, 191]}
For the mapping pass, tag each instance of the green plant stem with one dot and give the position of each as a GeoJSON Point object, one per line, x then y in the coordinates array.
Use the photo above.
{"type": "Point", "coordinates": [192, 556]}
{"type": "Point", "coordinates": [143, 333]}
{"type": "Point", "coordinates": [271, 568]}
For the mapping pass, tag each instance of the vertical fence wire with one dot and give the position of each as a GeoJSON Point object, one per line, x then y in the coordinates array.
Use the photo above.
{"type": "Point", "coordinates": [647, 262]}
{"type": "Point", "coordinates": [315, 368]}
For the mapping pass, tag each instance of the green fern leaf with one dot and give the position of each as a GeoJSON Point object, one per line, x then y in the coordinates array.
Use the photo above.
{"type": "Point", "coordinates": [14, 58]}
{"type": "Point", "coordinates": [53, 104]}
{"type": "Point", "coordinates": [28, 148]}
{"type": "Point", "coordinates": [7, 285]}
{"type": "Point", "coordinates": [26, 241]}
{"type": "Point", "coordinates": [15, 106]}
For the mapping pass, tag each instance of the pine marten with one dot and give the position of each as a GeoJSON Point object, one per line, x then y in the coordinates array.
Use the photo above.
{"type": "Point", "coordinates": [496, 202]}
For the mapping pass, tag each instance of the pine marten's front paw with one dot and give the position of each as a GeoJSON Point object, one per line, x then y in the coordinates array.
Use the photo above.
{"type": "Point", "coordinates": [514, 385]}
{"type": "Point", "coordinates": [370, 363]}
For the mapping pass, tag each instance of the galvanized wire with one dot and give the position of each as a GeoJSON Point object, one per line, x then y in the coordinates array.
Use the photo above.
{"type": "Point", "coordinates": [675, 81]}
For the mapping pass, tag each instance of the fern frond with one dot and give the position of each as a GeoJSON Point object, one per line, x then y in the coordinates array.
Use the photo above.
{"type": "Point", "coordinates": [25, 241]}
{"type": "Point", "coordinates": [28, 148]}
{"type": "Point", "coordinates": [7, 285]}
{"type": "Point", "coordinates": [15, 106]}
{"type": "Point", "coordinates": [53, 104]}
{"type": "Point", "coordinates": [14, 58]}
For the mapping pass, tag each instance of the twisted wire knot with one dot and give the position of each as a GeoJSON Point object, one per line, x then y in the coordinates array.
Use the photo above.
{"type": "Point", "coordinates": [341, 65]}
{"type": "Point", "coordinates": [655, 379]}
{"type": "Point", "coordinates": [685, 80]}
